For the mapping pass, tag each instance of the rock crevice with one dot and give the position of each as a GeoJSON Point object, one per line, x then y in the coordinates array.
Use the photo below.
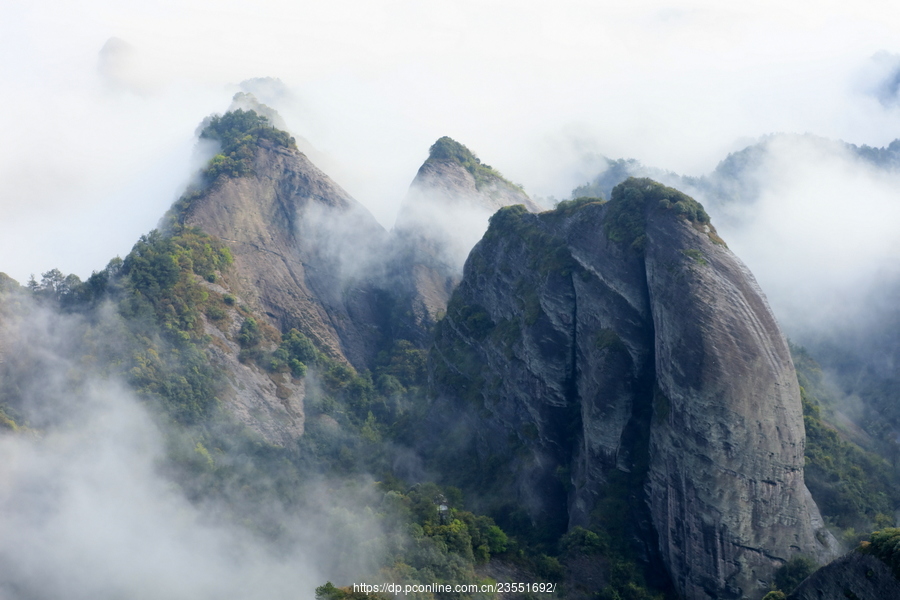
{"type": "Point", "coordinates": [624, 337]}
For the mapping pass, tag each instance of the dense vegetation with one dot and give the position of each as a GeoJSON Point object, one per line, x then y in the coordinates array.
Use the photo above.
{"type": "Point", "coordinates": [862, 363]}
{"type": "Point", "coordinates": [630, 201]}
{"type": "Point", "coordinates": [154, 339]}
{"type": "Point", "coordinates": [239, 132]}
{"type": "Point", "coordinates": [792, 573]}
{"type": "Point", "coordinates": [146, 319]}
{"type": "Point", "coordinates": [885, 544]}
{"type": "Point", "coordinates": [856, 490]}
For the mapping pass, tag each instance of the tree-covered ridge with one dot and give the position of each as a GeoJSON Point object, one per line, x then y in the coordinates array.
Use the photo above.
{"type": "Point", "coordinates": [163, 306]}
{"type": "Point", "coordinates": [239, 132]}
{"type": "Point", "coordinates": [7, 283]}
{"type": "Point", "coordinates": [153, 338]}
{"type": "Point", "coordinates": [448, 149]}
{"type": "Point", "coordinates": [428, 539]}
{"type": "Point", "coordinates": [625, 220]}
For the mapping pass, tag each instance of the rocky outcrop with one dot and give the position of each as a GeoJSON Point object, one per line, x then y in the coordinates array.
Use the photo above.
{"type": "Point", "coordinates": [726, 471]}
{"type": "Point", "coordinates": [854, 576]}
{"type": "Point", "coordinates": [267, 403]}
{"type": "Point", "coordinates": [621, 348]}
{"type": "Point", "coordinates": [308, 256]}
{"type": "Point", "coordinates": [444, 214]}
{"type": "Point", "coordinates": [302, 248]}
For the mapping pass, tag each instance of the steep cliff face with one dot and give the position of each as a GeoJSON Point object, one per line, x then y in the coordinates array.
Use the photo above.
{"type": "Point", "coordinates": [444, 214]}
{"type": "Point", "coordinates": [302, 248]}
{"type": "Point", "coordinates": [620, 348]}
{"type": "Point", "coordinates": [726, 471]}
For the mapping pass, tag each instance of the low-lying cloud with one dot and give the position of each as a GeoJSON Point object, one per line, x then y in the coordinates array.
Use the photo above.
{"type": "Point", "coordinates": [87, 510]}
{"type": "Point", "coordinates": [85, 515]}
{"type": "Point", "coordinates": [820, 234]}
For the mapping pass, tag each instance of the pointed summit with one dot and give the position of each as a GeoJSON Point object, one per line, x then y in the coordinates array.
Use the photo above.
{"type": "Point", "coordinates": [299, 241]}
{"type": "Point", "coordinates": [443, 216]}
{"type": "Point", "coordinates": [455, 170]}
{"type": "Point", "coordinates": [248, 102]}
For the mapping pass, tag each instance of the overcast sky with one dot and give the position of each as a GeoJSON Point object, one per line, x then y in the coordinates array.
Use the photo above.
{"type": "Point", "coordinates": [102, 99]}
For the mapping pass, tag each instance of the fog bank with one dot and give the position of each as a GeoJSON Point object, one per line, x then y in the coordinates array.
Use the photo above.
{"type": "Point", "coordinates": [103, 99]}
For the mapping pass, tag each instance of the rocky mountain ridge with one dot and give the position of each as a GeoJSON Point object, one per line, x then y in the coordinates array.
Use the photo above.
{"type": "Point", "coordinates": [307, 256]}
{"type": "Point", "coordinates": [286, 226]}
{"type": "Point", "coordinates": [610, 366]}
{"type": "Point", "coordinates": [622, 355]}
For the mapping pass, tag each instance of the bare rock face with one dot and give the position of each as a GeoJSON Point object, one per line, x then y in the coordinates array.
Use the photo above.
{"type": "Point", "coordinates": [726, 472]}
{"type": "Point", "coordinates": [443, 216]}
{"type": "Point", "coordinates": [306, 256]}
{"type": "Point", "coordinates": [270, 404]}
{"type": "Point", "coordinates": [620, 348]}
{"type": "Point", "coordinates": [302, 249]}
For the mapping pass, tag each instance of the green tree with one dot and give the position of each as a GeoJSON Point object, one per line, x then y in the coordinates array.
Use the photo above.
{"type": "Point", "coordinates": [794, 571]}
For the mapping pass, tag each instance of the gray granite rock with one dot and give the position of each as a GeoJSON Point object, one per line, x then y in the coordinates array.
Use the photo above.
{"type": "Point", "coordinates": [594, 341]}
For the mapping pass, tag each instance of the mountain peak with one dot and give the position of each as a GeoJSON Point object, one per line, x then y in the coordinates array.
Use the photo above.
{"type": "Point", "coordinates": [287, 225]}
{"type": "Point", "coordinates": [443, 216]}
{"type": "Point", "coordinates": [631, 200]}
{"type": "Point", "coordinates": [249, 102]}
{"type": "Point", "coordinates": [239, 132]}
{"type": "Point", "coordinates": [446, 149]}
{"type": "Point", "coordinates": [658, 367]}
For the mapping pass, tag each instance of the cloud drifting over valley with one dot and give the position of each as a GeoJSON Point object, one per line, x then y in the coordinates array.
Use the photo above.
{"type": "Point", "coordinates": [88, 507]}
{"type": "Point", "coordinates": [87, 500]}
{"type": "Point", "coordinates": [821, 235]}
